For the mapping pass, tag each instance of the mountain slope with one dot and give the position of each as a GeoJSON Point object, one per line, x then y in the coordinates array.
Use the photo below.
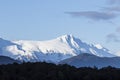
{"type": "Point", "coordinates": [52, 50]}
{"type": "Point", "coordinates": [89, 60]}
{"type": "Point", "coordinates": [7, 60]}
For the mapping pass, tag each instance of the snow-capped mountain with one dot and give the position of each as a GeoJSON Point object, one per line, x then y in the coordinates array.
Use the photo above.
{"type": "Point", "coordinates": [52, 50]}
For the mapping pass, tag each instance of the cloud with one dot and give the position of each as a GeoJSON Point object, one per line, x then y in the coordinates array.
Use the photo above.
{"type": "Point", "coordinates": [114, 5]}
{"type": "Point", "coordinates": [114, 1]}
{"type": "Point", "coordinates": [112, 9]}
{"type": "Point", "coordinates": [118, 29]}
{"type": "Point", "coordinates": [94, 15]}
{"type": "Point", "coordinates": [112, 37]}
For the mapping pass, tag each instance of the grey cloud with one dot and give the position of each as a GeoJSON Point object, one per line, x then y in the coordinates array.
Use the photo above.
{"type": "Point", "coordinates": [114, 1]}
{"type": "Point", "coordinates": [113, 9]}
{"type": "Point", "coordinates": [114, 5]}
{"type": "Point", "coordinates": [94, 15]}
{"type": "Point", "coordinates": [118, 29]}
{"type": "Point", "coordinates": [112, 37]}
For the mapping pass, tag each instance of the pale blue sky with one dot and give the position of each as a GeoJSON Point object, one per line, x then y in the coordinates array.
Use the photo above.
{"type": "Point", "coordinates": [48, 19]}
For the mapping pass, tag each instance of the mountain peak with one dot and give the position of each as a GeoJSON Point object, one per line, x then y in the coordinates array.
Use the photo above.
{"type": "Point", "coordinates": [66, 37]}
{"type": "Point", "coordinates": [69, 40]}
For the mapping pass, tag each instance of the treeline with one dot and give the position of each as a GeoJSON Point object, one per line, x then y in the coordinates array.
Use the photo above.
{"type": "Point", "coordinates": [49, 71]}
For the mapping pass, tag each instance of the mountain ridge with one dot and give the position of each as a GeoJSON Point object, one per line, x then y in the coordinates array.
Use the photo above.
{"type": "Point", "coordinates": [89, 60]}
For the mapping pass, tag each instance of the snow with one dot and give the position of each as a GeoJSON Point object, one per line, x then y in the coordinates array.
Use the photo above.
{"type": "Point", "coordinates": [99, 46]}
{"type": "Point", "coordinates": [54, 50]}
{"type": "Point", "coordinates": [117, 53]}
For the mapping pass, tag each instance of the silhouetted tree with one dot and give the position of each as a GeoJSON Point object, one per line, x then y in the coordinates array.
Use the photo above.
{"type": "Point", "coordinates": [49, 71]}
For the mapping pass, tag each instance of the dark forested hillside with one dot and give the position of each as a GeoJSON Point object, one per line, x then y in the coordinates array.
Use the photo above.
{"type": "Point", "coordinates": [48, 71]}
{"type": "Point", "coordinates": [7, 60]}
